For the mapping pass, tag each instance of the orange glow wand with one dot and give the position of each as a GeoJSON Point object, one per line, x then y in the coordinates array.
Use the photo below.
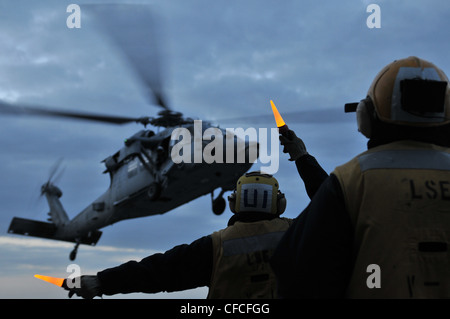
{"type": "Point", "coordinates": [53, 280]}
{"type": "Point", "coordinates": [282, 127]}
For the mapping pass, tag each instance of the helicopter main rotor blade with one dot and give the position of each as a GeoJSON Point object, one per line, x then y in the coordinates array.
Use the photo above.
{"type": "Point", "coordinates": [319, 116]}
{"type": "Point", "coordinates": [133, 29]}
{"type": "Point", "coordinates": [19, 109]}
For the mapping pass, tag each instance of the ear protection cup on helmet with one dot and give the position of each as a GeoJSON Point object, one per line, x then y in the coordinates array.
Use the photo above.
{"type": "Point", "coordinates": [281, 203]}
{"type": "Point", "coordinates": [232, 202]}
{"type": "Point", "coordinates": [365, 114]}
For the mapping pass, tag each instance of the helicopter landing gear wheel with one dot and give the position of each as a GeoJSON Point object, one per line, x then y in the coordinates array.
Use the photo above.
{"type": "Point", "coordinates": [154, 190]}
{"type": "Point", "coordinates": [218, 204]}
{"type": "Point", "coordinates": [73, 253]}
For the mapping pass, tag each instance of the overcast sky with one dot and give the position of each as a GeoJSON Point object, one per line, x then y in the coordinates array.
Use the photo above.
{"type": "Point", "coordinates": [223, 59]}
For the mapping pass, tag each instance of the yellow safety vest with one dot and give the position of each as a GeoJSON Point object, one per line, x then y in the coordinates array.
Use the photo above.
{"type": "Point", "coordinates": [241, 266]}
{"type": "Point", "coordinates": [398, 198]}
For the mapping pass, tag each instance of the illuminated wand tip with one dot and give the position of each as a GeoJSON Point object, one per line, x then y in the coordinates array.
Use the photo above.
{"type": "Point", "coordinates": [282, 127]}
{"type": "Point", "coordinates": [53, 280]}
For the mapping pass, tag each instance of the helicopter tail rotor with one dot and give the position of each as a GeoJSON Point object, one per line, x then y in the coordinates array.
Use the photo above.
{"type": "Point", "coordinates": [58, 215]}
{"type": "Point", "coordinates": [54, 175]}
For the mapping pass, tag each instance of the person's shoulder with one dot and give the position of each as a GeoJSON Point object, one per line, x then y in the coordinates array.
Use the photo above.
{"type": "Point", "coordinates": [287, 220]}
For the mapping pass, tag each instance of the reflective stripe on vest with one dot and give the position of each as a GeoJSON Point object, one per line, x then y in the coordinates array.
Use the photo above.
{"type": "Point", "coordinates": [407, 159]}
{"type": "Point", "coordinates": [251, 244]}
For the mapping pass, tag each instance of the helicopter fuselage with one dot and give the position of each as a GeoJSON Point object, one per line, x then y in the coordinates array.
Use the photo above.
{"type": "Point", "coordinates": [145, 181]}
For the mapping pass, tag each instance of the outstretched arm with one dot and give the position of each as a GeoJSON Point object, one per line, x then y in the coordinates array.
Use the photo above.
{"type": "Point", "coordinates": [182, 267]}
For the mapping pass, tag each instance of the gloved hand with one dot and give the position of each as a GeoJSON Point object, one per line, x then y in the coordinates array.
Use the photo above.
{"type": "Point", "coordinates": [89, 287]}
{"type": "Point", "coordinates": [293, 145]}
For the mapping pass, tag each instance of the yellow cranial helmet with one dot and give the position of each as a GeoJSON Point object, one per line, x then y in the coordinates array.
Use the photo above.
{"type": "Point", "coordinates": [257, 192]}
{"type": "Point", "coordinates": [411, 92]}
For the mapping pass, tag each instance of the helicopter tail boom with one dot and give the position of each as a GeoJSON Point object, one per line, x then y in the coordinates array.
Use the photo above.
{"type": "Point", "coordinates": [34, 228]}
{"type": "Point", "coordinates": [57, 227]}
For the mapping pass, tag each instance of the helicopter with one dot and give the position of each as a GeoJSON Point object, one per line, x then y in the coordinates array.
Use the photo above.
{"type": "Point", "coordinates": [144, 180]}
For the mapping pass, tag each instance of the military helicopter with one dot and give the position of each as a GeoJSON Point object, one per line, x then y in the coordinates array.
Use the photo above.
{"type": "Point", "coordinates": [144, 180]}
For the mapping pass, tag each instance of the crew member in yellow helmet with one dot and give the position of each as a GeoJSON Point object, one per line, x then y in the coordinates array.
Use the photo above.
{"type": "Point", "coordinates": [232, 262]}
{"type": "Point", "coordinates": [379, 226]}
{"type": "Point", "coordinates": [242, 250]}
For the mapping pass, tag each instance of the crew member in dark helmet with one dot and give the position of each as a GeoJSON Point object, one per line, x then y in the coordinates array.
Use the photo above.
{"type": "Point", "coordinates": [379, 226]}
{"type": "Point", "coordinates": [232, 262]}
